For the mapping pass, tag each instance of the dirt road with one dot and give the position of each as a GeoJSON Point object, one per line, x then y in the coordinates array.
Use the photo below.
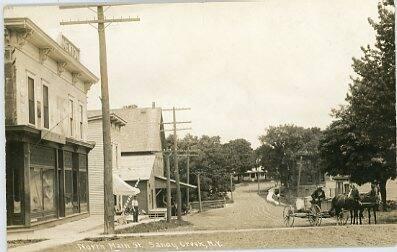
{"type": "Point", "coordinates": [249, 210]}
{"type": "Point", "coordinates": [329, 236]}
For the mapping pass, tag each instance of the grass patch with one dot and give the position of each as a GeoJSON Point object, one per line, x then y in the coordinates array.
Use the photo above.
{"type": "Point", "coordinates": [18, 243]}
{"type": "Point", "coordinates": [385, 217]}
{"type": "Point", "coordinates": [162, 225]}
{"type": "Point", "coordinates": [98, 239]}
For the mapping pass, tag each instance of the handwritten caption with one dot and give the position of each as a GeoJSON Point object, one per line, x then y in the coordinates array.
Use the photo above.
{"type": "Point", "coordinates": [149, 245]}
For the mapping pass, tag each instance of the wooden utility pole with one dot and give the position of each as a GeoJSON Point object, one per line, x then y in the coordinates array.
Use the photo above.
{"type": "Point", "coordinates": [231, 187]}
{"type": "Point", "coordinates": [199, 192]}
{"type": "Point", "coordinates": [168, 174]}
{"type": "Point", "coordinates": [107, 147]}
{"type": "Point", "coordinates": [188, 179]}
{"type": "Point", "coordinates": [177, 182]}
{"type": "Point", "coordinates": [299, 176]}
{"type": "Point", "coordinates": [175, 151]}
{"type": "Point", "coordinates": [257, 178]}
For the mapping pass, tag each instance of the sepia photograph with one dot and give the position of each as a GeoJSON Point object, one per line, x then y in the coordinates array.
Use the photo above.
{"type": "Point", "coordinates": [204, 125]}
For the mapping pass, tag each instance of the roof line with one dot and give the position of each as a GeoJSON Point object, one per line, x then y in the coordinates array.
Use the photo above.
{"type": "Point", "coordinates": [25, 22]}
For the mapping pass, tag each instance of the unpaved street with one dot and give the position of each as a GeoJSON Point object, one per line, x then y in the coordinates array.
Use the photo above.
{"type": "Point", "coordinates": [329, 236]}
{"type": "Point", "coordinates": [249, 210]}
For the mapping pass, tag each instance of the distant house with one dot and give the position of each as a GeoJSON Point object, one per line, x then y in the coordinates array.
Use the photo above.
{"type": "Point", "coordinates": [252, 175]}
{"type": "Point", "coordinates": [142, 141]}
{"type": "Point", "coordinates": [95, 158]}
{"type": "Point", "coordinates": [46, 125]}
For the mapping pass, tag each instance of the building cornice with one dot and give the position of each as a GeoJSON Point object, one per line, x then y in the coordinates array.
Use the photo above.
{"type": "Point", "coordinates": [26, 30]}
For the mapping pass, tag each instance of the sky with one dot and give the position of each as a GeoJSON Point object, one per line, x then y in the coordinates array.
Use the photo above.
{"type": "Point", "coordinates": [240, 66]}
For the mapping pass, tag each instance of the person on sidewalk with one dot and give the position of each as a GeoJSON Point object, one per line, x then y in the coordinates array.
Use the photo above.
{"type": "Point", "coordinates": [135, 209]}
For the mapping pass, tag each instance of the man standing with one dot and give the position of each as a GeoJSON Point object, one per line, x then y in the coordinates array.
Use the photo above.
{"type": "Point", "coordinates": [135, 209]}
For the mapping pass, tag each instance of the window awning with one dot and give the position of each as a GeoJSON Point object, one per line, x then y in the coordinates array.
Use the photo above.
{"type": "Point", "coordinates": [161, 182]}
{"type": "Point", "coordinates": [120, 187]}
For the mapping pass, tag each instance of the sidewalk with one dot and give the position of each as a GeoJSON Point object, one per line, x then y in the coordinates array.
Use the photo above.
{"type": "Point", "coordinates": [67, 233]}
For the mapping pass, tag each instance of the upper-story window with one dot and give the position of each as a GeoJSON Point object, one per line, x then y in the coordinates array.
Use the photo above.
{"type": "Point", "coordinates": [81, 121]}
{"type": "Point", "coordinates": [32, 115]}
{"type": "Point", "coordinates": [46, 107]}
{"type": "Point", "coordinates": [71, 112]}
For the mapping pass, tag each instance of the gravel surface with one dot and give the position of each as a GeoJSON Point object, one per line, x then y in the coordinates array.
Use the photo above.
{"type": "Point", "coordinates": [330, 236]}
{"type": "Point", "coordinates": [249, 210]}
{"type": "Point", "coordinates": [250, 222]}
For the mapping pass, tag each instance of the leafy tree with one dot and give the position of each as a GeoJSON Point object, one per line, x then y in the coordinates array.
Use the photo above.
{"type": "Point", "coordinates": [361, 141]}
{"type": "Point", "coordinates": [240, 156]}
{"type": "Point", "coordinates": [281, 145]}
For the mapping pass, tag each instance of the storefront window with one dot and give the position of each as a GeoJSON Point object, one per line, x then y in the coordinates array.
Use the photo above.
{"type": "Point", "coordinates": [68, 189]}
{"type": "Point", "coordinates": [83, 182]}
{"type": "Point", "coordinates": [36, 191]}
{"type": "Point", "coordinates": [48, 190]}
{"type": "Point", "coordinates": [42, 181]}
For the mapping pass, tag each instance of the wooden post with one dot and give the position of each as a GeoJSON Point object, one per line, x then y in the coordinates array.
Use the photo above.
{"type": "Point", "coordinates": [178, 186]}
{"type": "Point", "coordinates": [257, 178]}
{"type": "Point", "coordinates": [168, 173]}
{"type": "Point", "coordinates": [199, 193]}
{"type": "Point", "coordinates": [26, 148]}
{"type": "Point", "coordinates": [107, 151]}
{"type": "Point", "coordinates": [188, 180]}
{"type": "Point", "coordinates": [299, 176]}
{"type": "Point", "coordinates": [231, 187]}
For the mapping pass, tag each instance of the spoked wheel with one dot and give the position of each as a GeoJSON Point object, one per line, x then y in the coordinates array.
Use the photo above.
{"type": "Point", "coordinates": [288, 216]}
{"type": "Point", "coordinates": [343, 217]}
{"type": "Point", "coordinates": [314, 216]}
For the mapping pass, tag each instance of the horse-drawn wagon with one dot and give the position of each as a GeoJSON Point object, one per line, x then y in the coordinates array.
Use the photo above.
{"type": "Point", "coordinates": [303, 208]}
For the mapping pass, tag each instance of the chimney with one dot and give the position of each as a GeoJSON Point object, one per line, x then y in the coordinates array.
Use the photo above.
{"type": "Point", "coordinates": [153, 105]}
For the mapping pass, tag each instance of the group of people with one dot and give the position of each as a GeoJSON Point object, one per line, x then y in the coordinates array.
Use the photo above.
{"type": "Point", "coordinates": [319, 195]}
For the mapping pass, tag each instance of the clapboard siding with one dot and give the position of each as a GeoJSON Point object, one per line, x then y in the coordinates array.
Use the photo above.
{"type": "Point", "coordinates": [95, 159]}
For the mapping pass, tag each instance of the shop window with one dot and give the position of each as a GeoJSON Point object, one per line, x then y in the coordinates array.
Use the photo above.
{"type": "Point", "coordinates": [48, 189]}
{"type": "Point", "coordinates": [68, 194]}
{"type": "Point", "coordinates": [83, 185]}
{"type": "Point", "coordinates": [36, 191]}
{"type": "Point", "coordinates": [17, 191]}
{"type": "Point", "coordinates": [42, 181]}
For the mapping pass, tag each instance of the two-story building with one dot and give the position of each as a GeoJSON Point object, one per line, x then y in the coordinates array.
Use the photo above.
{"type": "Point", "coordinates": [142, 142]}
{"type": "Point", "coordinates": [46, 89]}
{"type": "Point", "coordinates": [95, 158]}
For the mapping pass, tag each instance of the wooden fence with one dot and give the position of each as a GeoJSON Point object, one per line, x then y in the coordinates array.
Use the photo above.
{"type": "Point", "coordinates": [208, 204]}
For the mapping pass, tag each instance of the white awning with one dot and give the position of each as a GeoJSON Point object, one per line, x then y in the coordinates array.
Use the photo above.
{"type": "Point", "coordinates": [120, 187]}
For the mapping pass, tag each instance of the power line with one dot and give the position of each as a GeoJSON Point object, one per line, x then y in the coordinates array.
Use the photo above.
{"type": "Point", "coordinates": [107, 149]}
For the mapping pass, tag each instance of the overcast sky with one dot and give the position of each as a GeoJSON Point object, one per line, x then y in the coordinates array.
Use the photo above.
{"type": "Point", "coordinates": [241, 67]}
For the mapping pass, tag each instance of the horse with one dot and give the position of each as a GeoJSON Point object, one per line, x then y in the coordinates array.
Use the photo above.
{"type": "Point", "coordinates": [370, 203]}
{"type": "Point", "coordinates": [346, 202]}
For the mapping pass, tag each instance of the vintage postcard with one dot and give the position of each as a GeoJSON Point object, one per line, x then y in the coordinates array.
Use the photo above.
{"type": "Point", "coordinates": [199, 125]}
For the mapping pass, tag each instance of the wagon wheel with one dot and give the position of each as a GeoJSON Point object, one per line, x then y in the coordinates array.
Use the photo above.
{"type": "Point", "coordinates": [343, 217]}
{"type": "Point", "coordinates": [288, 216]}
{"type": "Point", "coordinates": [314, 215]}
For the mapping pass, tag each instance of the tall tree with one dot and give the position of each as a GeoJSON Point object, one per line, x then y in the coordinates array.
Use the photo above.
{"type": "Point", "coordinates": [361, 142]}
{"type": "Point", "coordinates": [281, 145]}
{"type": "Point", "coordinates": [240, 156]}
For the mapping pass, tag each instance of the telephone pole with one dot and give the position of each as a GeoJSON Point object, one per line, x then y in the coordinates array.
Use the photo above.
{"type": "Point", "coordinates": [167, 154]}
{"type": "Point", "coordinates": [107, 149]}
{"type": "Point", "coordinates": [168, 174]}
{"type": "Point", "coordinates": [189, 153]}
{"type": "Point", "coordinates": [199, 192]}
{"type": "Point", "coordinates": [231, 187]}
{"type": "Point", "coordinates": [175, 151]}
